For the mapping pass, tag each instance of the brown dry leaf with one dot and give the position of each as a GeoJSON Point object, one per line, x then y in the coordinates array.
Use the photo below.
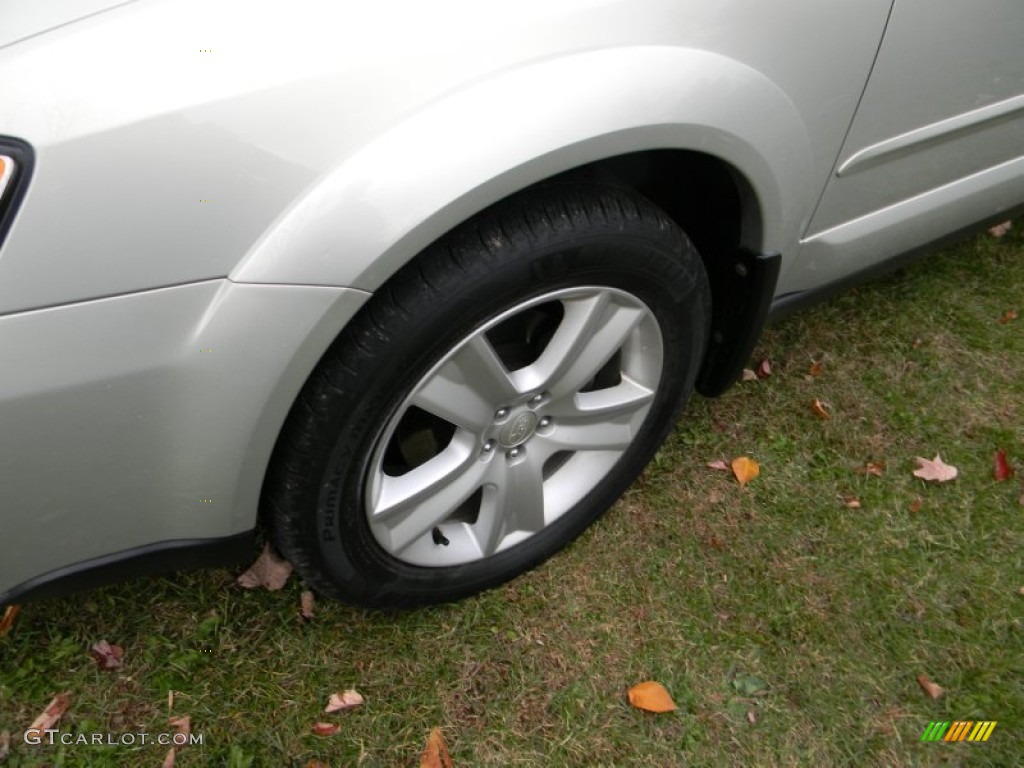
{"type": "Point", "coordinates": [48, 717]}
{"type": "Point", "coordinates": [5, 745]}
{"type": "Point", "coordinates": [651, 697]}
{"type": "Point", "coordinates": [851, 501]}
{"type": "Point", "coordinates": [169, 758]}
{"type": "Point", "coordinates": [316, 764]}
{"type": "Point", "coordinates": [268, 571]}
{"type": "Point", "coordinates": [1020, 591]}
{"type": "Point", "coordinates": [325, 729]}
{"type": "Point", "coordinates": [820, 409]}
{"type": "Point", "coordinates": [745, 469]}
{"type": "Point", "coordinates": [749, 375]}
{"type": "Point", "coordinates": [1002, 469]}
{"type": "Point", "coordinates": [307, 603]}
{"type": "Point", "coordinates": [875, 468]}
{"type": "Point", "coordinates": [435, 752]}
{"type": "Point", "coordinates": [107, 656]}
{"type": "Point", "coordinates": [719, 464]}
{"type": "Point", "coordinates": [934, 470]}
{"type": "Point", "coordinates": [339, 702]}
{"type": "Point", "coordinates": [1000, 230]}
{"type": "Point", "coordinates": [816, 368]}
{"type": "Point", "coordinates": [915, 506]}
{"type": "Point", "coordinates": [932, 689]}
{"type": "Point", "coordinates": [751, 717]}
{"type": "Point", "coordinates": [10, 614]}
{"type": "Point", "coordinates": [764, 370]}
{"type": "Point", "coordinates": [182, 725]}
{"type": "Point", "coordinates": [1008, 316]}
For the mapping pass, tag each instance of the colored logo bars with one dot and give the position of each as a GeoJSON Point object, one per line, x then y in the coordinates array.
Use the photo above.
{"type": "Point", "coordinates": [961, 730]}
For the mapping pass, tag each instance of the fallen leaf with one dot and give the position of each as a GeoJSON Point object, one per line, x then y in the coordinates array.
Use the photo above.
{"type": "Point", "coordinates": [1008, 316]}
{"type": "Point", "coordinates": [10, 613]}
{"type": "Point", "coordinates": [268, 571]}
{"type": "Point", "coordinates": [106, 655]}
{"type": "Point", "coordinates": [917, 343]}
{"type": "Point", "coordinates": [435, 752]}
{"type": "Point", "coordinates": [851, 501]}
{"type": "Point", "coordinates": [182, 725]}
{"type": "Point", "coordinates": [325, 729]}
{"type": "Point", "coordinates": [650, 697]}
{"type": "Point", "coordinates": [48, 717]}
{"type": "Point", "coordinates": [1000, 230]}
{"type": "Point", "coordinates": [820, 409]}
{"type": "Point", "coordinates": [745, 469]}
{"type": "Point", "coordinates": [751, 717]}
{"type": "Point", "coordinates": [169, 758]}
{"type": "Point", "coordinates": [749, 375]}
{"type": "Point", "coordinates": [339, 702]}
{"type": "Point", "coordinates": [934, 470]}
{"type": "Point", "coordinates": [932, 689]}
{"type": "Point", "coordinates": [307, 602]}
{"type": "Point", "coordinates": [5, 745]}
{"type": "Point", "coordinates": [764, 370]}
{"type": "Point", "coordinates": [816, 368]}
{"type": "Point", "coordinates": [719, 464]}
{"type": "Point", "coordinates": [1020, 591]}
{"type": "Point", "coordinates": [915, 506]}
{"type": "Point", "coordinates": [1002, 470]}
{"type": "Point", "coordinates": [316, 764]}
{"type": "Point", "coordinates": [875, 468]}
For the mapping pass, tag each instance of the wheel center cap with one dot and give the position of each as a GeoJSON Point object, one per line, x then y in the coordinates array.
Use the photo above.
{"type": "Point", "coordinates": [518, 429]}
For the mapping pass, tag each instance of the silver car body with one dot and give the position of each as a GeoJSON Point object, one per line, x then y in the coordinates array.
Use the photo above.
{"type": "Point", "coordinates": [217, 186]}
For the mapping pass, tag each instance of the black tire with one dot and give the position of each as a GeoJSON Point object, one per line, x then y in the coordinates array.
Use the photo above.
{"type": "Point", "coordinates": [556, 237]}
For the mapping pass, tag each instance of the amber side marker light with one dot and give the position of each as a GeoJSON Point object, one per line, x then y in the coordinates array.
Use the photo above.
{"type": "Point", "coordinates": [6, 171]}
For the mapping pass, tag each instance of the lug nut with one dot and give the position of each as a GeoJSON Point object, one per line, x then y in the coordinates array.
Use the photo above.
{"type": "Point", "coordinates": [500, 414]}
{"type": "Point", "coordinates": [546, 421]}
{"type": "Point", "coordinates": [488, 446]}
{"type": "Point", "coordinates": [513, 453]}
{"type": "Point", "coordinates": [536, 399]}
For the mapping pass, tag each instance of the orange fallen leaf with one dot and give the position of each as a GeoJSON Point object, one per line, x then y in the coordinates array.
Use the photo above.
{"type": "Point", "coordinates": [1008, 316]}
{"type": "Point", "coordinates": [169, 758]}
{"type": "Point", "coordinates": [651, 697]}
{"type": "Point", "coordinates": [852, 502]}
{"type": "Point", "coordinates": [325, 729]}
{"type": "Point", "coordinates": [181, 725]}
{"type": "Point", "coordinates": [764, 370]}
{"type": "Point", "coordinates": [107, 656]}
{"type": "Point", "coordinates": [10, 613]}
{"type": "Point", "coordinates": [316, 764]}
{"type": "Point", "coordinates": [820, 409]}
{"type": "Point", "coordinates": [816, 368]}
{"type": "Point", "coordinates": [435, 752]}
{"type": "Point", "coordinates": [268, 571]}
{"type": "Point", "coordinates": [719, 464]}
{"type": "Point", "coordinates": [751, 717]}
{"type": "Point", "coordinates": [338, 702]}
{"type": "Point", "coordinates": [915, 506]}
{"type": "Point", "coordinates": [875, 468]}
{"type": "Point", "coordinates": [745, 469]}
{"type": "Point", "coordinates": [48, 717]}
{"type": "Point", "coordinates": [932, 689]}
{"type": "Point", "coordinates": [1002, 469]}
{"type": "Point", "coordinates": [306, 604]}
{"type": "Point", "coordinates": [749, 375]}
{"type": "Point", "coordinates": [1000, 230]}
{"type": "Point", "coordinates": [934, 470]}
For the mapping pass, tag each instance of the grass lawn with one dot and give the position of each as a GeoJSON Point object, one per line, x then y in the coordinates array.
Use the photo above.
{"type": "Point", "coordinates": [789, 626]}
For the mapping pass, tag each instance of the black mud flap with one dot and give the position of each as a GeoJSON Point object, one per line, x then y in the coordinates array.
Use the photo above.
{"type": "Point", "coordinates": [742, 289]}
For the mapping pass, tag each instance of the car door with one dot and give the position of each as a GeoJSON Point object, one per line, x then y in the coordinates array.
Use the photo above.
{"type": "Point", "coordinates": [937, 142]}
